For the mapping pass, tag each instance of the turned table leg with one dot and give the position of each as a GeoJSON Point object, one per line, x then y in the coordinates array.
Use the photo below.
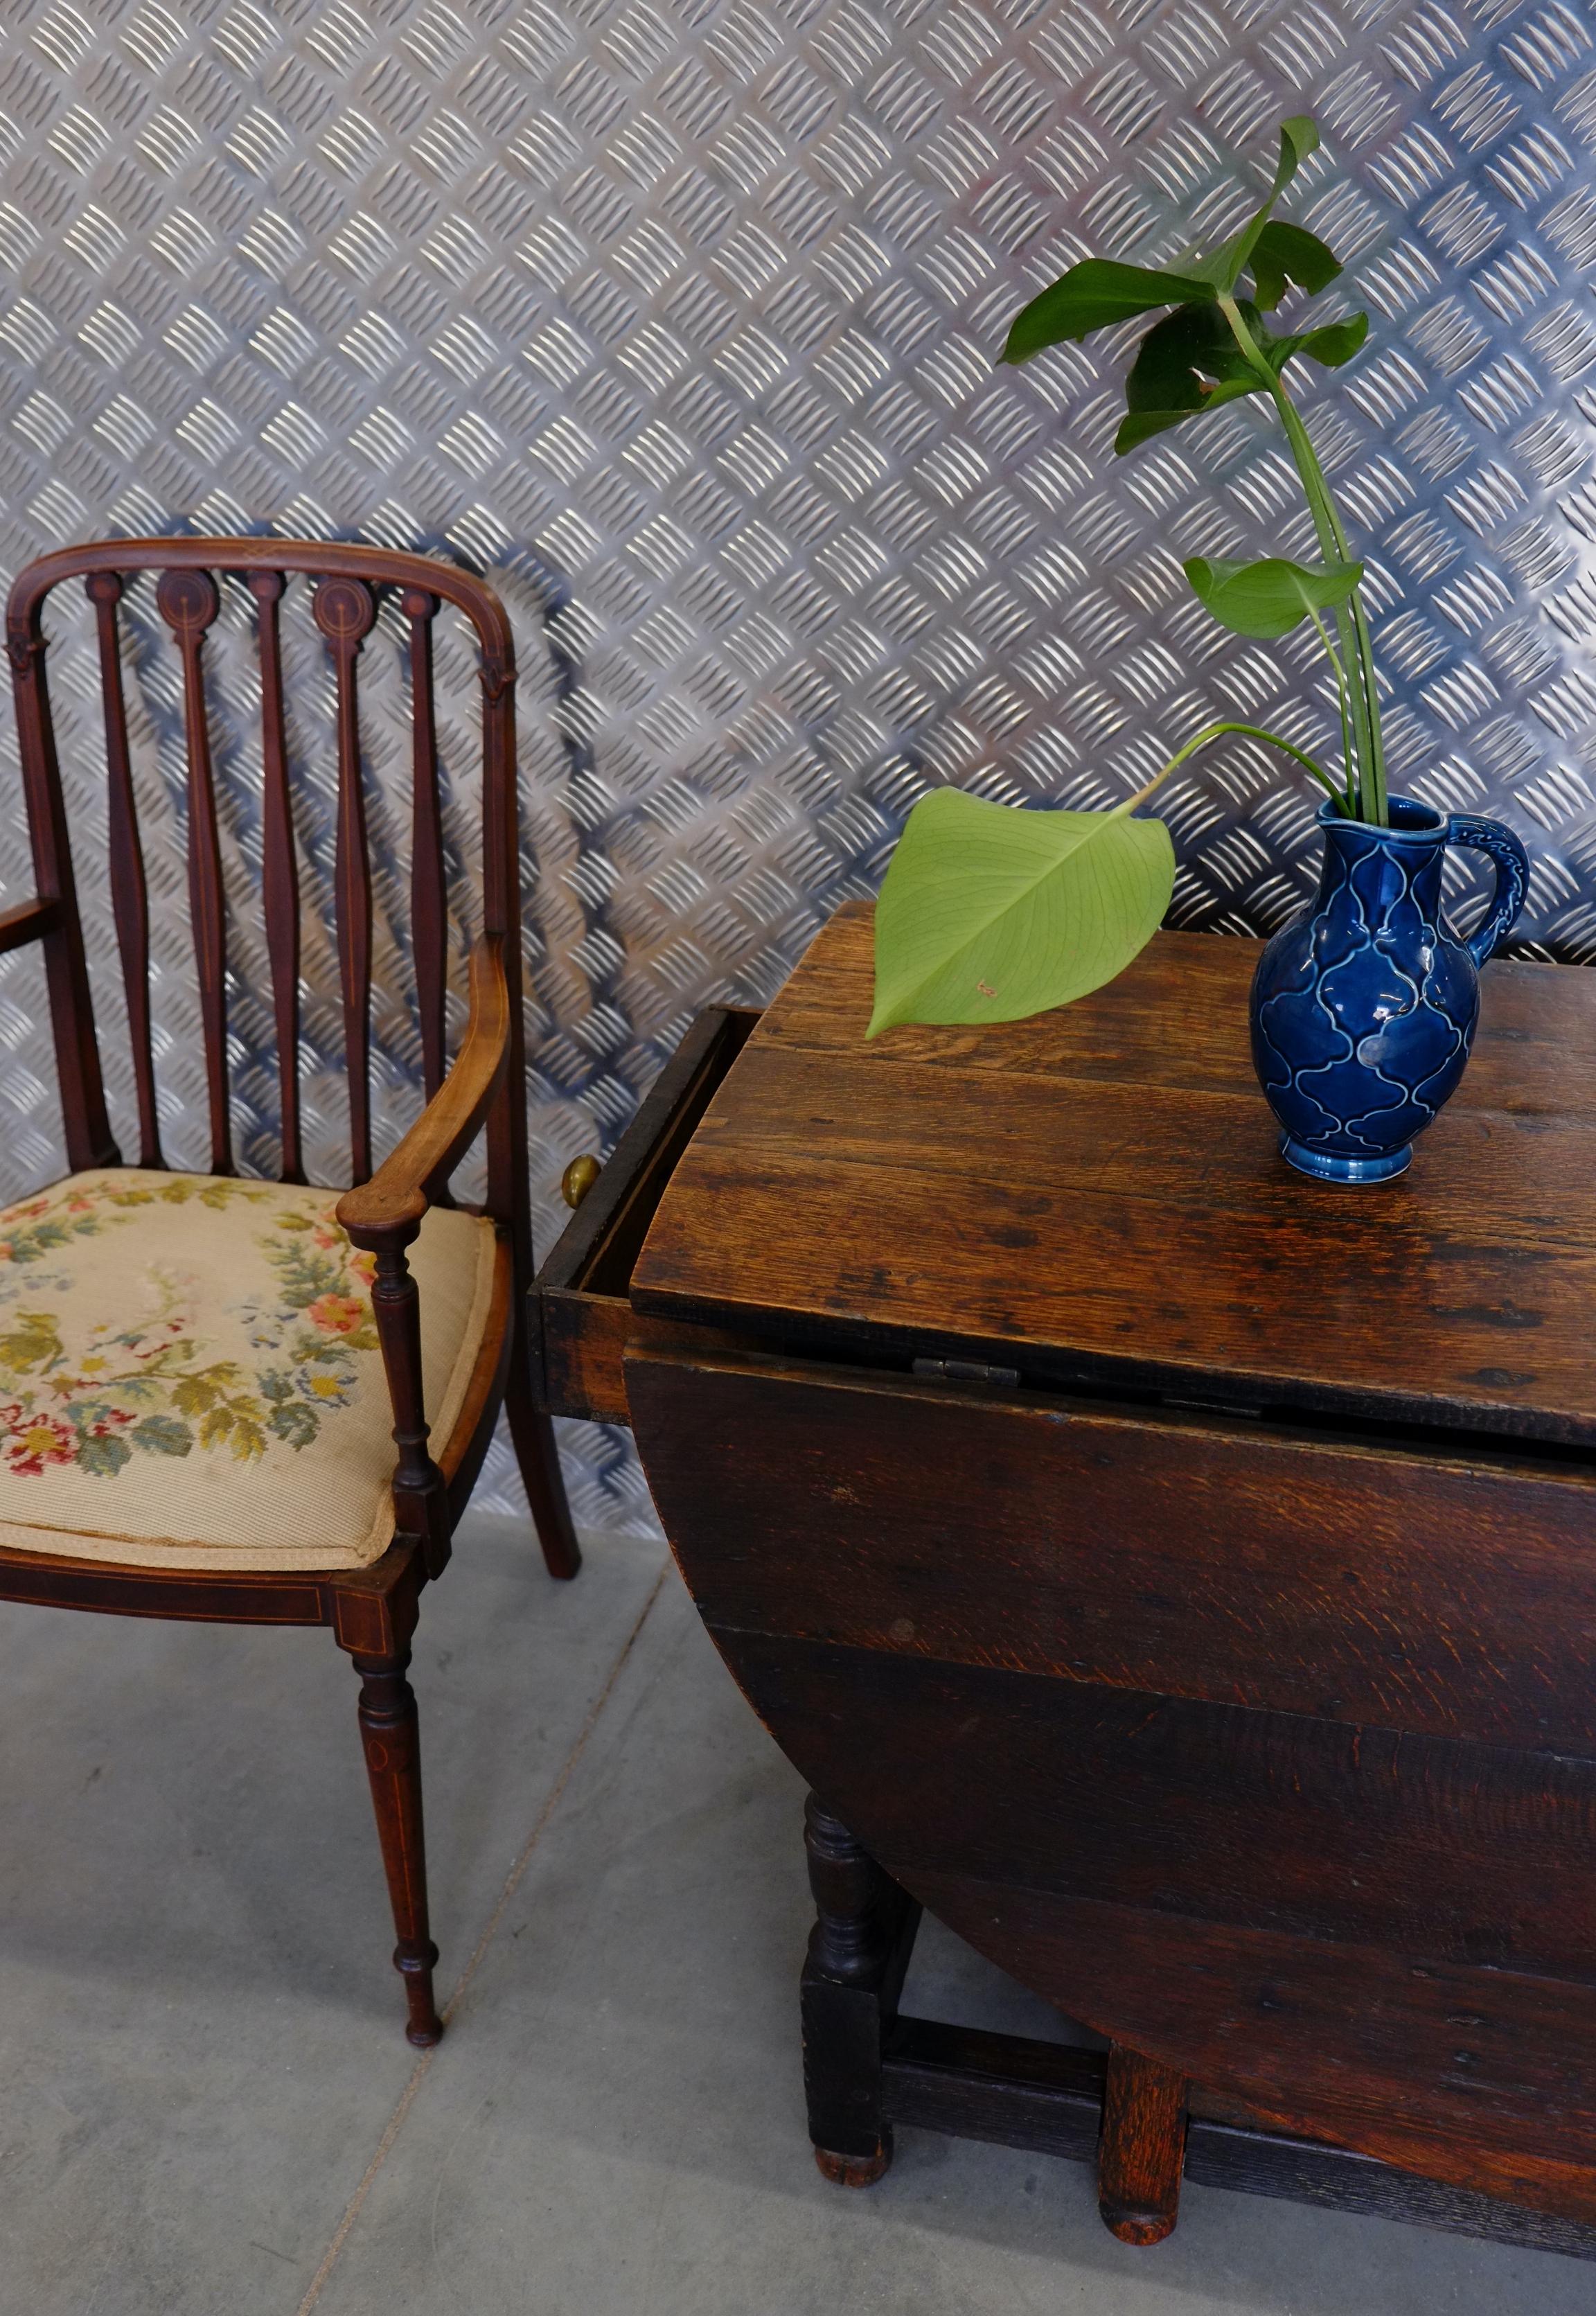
{"type": "Point", "coordinates": [1142, 2149]}
{"type": "Point", "coordinates": [857, 1951]}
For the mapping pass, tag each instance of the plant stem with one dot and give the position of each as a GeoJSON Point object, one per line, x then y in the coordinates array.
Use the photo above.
{"type": "Point", "coordinates": [1213, 732]}
{"type": "Point", "coordinates": [1351, 621]}
{"type": "Point", "coordinates": [1344, 706]}
{"type": "Point", "coordinates": [1366, 703]}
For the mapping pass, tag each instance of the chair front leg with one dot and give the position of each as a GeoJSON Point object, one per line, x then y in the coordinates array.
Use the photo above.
{"type": "Point", "coordinates": [390, 1733]}
{"type": "Point", "coordinates": [421, 1495]}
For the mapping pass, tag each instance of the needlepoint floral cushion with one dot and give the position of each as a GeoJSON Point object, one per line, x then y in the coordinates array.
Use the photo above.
{"type": "Point", "coordinates": [189, 1375]}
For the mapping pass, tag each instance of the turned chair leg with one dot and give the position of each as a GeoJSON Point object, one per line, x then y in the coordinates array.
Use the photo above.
{"type": "Point", "coordinates": [391, 1739]}
{"type": "Point", "coordinates": [539, 1457]}
{"type": "Point", "coordinates": [1143, 2148]}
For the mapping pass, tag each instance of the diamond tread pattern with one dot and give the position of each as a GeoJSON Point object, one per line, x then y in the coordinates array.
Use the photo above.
{"type": "Point", "coordinates": [679, 320]}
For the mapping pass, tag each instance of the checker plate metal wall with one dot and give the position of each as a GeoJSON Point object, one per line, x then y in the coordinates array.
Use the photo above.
{"type": "Point", "coordinates": [677, 317]}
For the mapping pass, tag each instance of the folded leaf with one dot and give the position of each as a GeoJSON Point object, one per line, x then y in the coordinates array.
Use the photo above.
{"type": "Point", "coordinates": [1092, 295]}
{"type": "Point", "coordinates": [989, 914]}
{"type": "Point", "coordinates": [1267, 598]}
{"type": "Point", "coordinates": [1335, 343]}
{"type": "Point", "coordinates": [1286, 253]}
{"type": "Point", "coordinates": [1143, 423]}
{"type": "Point", "coordinates": [1298, 138]}
{"type": "Point", "coordinates": [1186, 364]}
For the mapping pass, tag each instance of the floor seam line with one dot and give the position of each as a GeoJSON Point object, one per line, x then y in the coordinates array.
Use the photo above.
{"type": "Point", "coordinates": [513, 1880]}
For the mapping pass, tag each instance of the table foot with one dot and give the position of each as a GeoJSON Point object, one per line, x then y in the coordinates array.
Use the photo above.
{"type": "Point", "coordinates": [1143, 2148]}
{"type": "Point", "coordinates": [858, 1953]}
{"type": "Point", "coordinates": [855, 2170]}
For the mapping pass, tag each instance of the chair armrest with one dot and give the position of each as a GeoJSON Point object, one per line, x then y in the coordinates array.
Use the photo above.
{"type": "Point", "coordinates": [387, 1211]}
{"type": "Point", "coordinates": [29, 922]}
{"type": "Point", "coordinates": [384, 1214]}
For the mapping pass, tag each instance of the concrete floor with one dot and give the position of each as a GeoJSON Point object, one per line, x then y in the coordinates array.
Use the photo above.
{"type": "Point", "coordinates": [207, 2107]}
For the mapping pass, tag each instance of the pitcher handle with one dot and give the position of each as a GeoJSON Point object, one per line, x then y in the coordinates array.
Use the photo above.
{"type": "Point", "coordinates": [1512, 878]}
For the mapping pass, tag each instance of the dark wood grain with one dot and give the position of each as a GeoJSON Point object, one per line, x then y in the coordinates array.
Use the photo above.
{"type": "Point", "coordinates": [1479, 2078]}
{"type": "Point", "coordinates": [1178, 1576]}
{"type": "Point", "coordinates": [1095, 1195]}
{"type": "Point", "coordinates": [1264, 1766]}
{"type": "Point", "coordinates": [280, 876]}
{"type": "Point", "coordinates": [1171, 1554]}
{"type": "Point", "coordinates": [1458, 1855]}
{"type": "Point", "coordinates": [129, 898]}
{"type": "Point", "coordinates": [583, 1320]}
{"type": "Point", "coordinates": [1365, 2015]}
{"type": "Point", "coordinates": [1048, 2096]}
{"type": "Point", "coordinates": [1143, 2147]}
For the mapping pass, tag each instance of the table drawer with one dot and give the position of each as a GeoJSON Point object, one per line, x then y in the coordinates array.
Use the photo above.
{"type": "Point", "coordinates": [581, 1316]}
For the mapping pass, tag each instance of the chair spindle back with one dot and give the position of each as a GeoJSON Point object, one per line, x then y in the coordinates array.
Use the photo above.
{"type": "Point", "coordinates": [347, 582]}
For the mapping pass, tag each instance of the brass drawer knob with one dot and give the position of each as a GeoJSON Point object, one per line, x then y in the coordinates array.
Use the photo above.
{"type": "Point", "coordinates": [578, 1179]}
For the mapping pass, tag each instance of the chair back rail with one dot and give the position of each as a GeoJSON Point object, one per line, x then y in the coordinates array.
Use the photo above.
{"type": "Point", "coordinates": [347, 580]}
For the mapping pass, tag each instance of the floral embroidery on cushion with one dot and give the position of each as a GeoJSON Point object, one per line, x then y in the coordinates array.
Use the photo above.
{"type": "Point", "coordinates": [320, 1318]}
{"type": "Point", "coordinates": [55, 1219]}
{"type": "Point", "coordinates": [150, 1388]}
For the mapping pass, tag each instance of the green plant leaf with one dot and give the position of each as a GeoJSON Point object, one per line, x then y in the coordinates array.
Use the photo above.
{"type": "Point", "coordinates": [1090, 297]}
{"type": "Point", "coordinates": [989, 914]}
{"type": "Point", "coordinates": [1188, 363]}
{"type": "Point", "coordinates": [1335, 343]}
{"type": "Point", "coordinates": [1285, 253]}
{"type": "Point", "coordinates": [1298, 138]}
{"type": "Point", "coordinates": [1266, 600]}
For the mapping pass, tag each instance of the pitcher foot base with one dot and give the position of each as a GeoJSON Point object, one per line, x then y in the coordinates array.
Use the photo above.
{"type": "Point", "coordinates": [1325, 1166]}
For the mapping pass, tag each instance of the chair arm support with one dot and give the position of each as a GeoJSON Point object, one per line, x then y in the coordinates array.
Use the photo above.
{"type": "Point", "coordinates": [386, 1212]}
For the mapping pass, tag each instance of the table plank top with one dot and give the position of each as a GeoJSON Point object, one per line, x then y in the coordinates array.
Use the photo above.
{"type": "Point", "coordinates": [1096, 1194]}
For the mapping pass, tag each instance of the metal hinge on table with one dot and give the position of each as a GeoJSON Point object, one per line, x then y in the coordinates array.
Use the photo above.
{"type": "Point", "coordinates": [965, 1371]}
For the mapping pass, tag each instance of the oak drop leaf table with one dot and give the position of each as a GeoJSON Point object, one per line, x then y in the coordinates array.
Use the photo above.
{"type": "Point", "coordinates": [1177, 1574]}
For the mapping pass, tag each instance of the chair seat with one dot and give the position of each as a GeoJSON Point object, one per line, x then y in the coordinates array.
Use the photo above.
{"type": "Point", "coordinates": [189, 1375]}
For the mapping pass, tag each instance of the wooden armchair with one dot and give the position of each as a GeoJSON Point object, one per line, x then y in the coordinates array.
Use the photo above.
{"type": "Point", "coordinates": [193, 1417]}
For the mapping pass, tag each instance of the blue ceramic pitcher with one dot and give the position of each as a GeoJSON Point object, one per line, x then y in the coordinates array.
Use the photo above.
{"type": "Point", "coordinates": [1364, 1009]}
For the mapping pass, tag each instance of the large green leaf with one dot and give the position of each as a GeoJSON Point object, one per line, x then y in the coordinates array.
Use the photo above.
{"type": "Point", "coordinates": [1299, 137]}
{"type": "Point", "coordinates": [1268, 599]}
{"type": "Point", "coordinates": [1090, 297]}
{"type": "Point", "coordinates": [989, 914]}
{"type": "Point", "coordinates": [1333, 343]}
{"type": "Point", "coordinates": [1187, 363]}
{"type": "Point", "coordinates": [1285, 253]}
